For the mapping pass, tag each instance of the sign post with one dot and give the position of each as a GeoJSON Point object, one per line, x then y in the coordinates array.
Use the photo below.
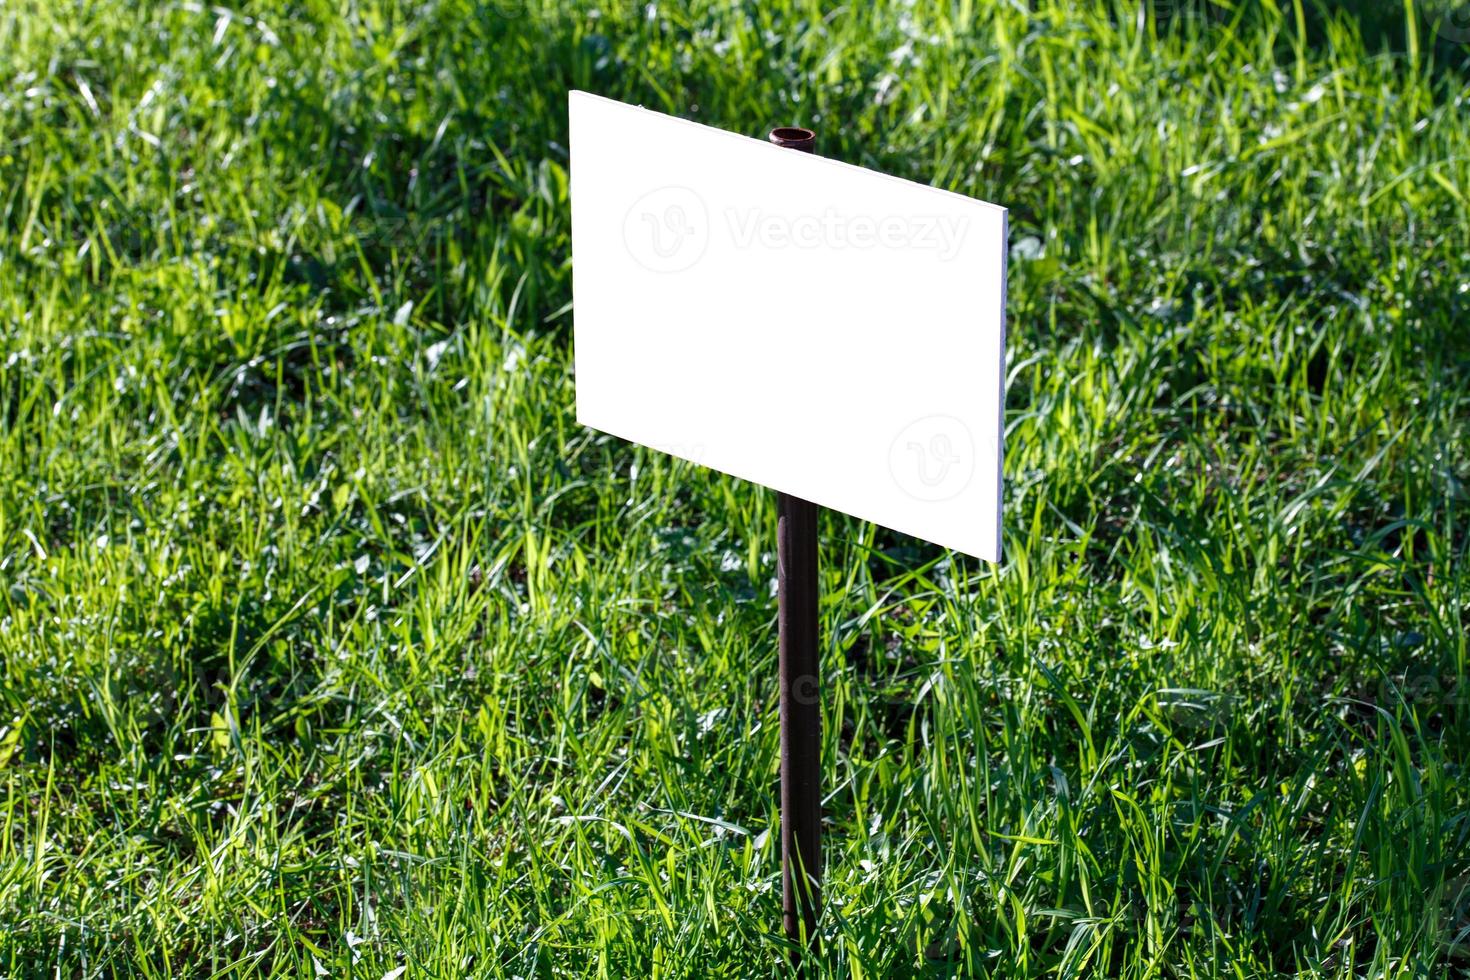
{"type": "Point", "coordinates": [830, 332]}
{"type": "Point", "coordinates": [801, 705]}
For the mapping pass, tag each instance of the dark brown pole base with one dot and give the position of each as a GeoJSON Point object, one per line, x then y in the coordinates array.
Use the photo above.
{"type": "Point", "coordinates": [801, 719]}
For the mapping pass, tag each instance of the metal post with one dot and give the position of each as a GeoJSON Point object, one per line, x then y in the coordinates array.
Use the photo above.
{"type": "Point", "coordinates": [801, 717]}
{"type": "Point", "coordinates": [801, 709]}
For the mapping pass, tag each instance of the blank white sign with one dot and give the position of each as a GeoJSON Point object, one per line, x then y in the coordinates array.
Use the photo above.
{"type": "Point", "coordinates": [829, 331]}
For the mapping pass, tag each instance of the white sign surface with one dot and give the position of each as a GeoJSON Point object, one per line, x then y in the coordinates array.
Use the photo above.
{"type": "Point", "coordinates": [829, 331]}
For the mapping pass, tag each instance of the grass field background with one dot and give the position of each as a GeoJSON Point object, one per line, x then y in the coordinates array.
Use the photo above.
{"type": "Point", "coordinates": [330, 644]}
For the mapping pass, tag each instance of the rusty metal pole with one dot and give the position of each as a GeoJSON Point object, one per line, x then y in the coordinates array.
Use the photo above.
{"type": "Point", "coordinates": [801, 709]}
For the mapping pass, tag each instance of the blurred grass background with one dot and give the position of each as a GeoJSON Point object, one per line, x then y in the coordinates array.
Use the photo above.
{"type": "Point", "coordinates": [331, 645]}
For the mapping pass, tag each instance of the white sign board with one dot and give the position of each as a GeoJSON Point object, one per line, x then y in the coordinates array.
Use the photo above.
{"type": "Point", "coordinates": [825, 330]}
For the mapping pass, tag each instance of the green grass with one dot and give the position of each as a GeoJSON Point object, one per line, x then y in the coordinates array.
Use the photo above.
{"type": "Point", "coordinates": [329, 642]}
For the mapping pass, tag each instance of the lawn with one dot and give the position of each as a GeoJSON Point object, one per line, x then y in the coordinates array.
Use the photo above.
{"type": "Point", "coordinates": [330, 644]}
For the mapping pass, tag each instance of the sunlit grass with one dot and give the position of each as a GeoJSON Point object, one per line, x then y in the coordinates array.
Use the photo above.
{"type": "Point", "coordinates": [331, 643]}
